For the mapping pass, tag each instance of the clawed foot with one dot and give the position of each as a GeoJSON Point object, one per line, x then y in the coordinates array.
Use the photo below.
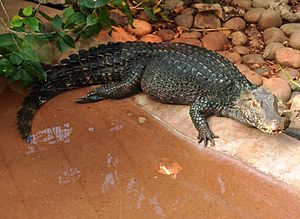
{"type": "Point", "coordinates": [205, 135]}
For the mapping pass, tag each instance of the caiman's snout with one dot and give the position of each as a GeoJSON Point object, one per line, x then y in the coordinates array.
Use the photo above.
{"type": "Point", "coordinates": [276, 126]}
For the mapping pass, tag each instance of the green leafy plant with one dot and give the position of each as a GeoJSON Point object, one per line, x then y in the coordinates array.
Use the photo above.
{"type": "Point", "coordinates": [19, 47]}
{"type": "Point", "coordinates": [155, 10]}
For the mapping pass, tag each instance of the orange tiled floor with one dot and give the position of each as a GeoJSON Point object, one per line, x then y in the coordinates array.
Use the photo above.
{"type": "Point", "coordinates": [111, 160]}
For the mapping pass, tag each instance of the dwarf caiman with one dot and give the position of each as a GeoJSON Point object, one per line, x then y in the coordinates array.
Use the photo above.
{"type": "Point", "coordinates": [168, 72]}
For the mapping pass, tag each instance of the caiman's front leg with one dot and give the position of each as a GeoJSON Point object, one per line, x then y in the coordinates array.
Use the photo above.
{"type": "Point", "coordinates": [199, 110]}
{"type": "Point", "coordinates": [116, 90]}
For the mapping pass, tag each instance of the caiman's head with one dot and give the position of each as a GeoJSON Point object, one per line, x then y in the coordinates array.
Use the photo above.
{"type": "Point", "coordinates": [259, 108]}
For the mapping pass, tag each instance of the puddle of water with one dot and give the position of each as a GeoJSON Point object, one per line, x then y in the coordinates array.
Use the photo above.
{"type": "Point", "coordinates": [52, 135]}
{"type": "Point", "coordinates": [130, 167]}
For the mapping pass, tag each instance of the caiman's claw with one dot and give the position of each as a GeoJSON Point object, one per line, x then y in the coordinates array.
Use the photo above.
{"type": "Point", "coordinates": [205, 135]}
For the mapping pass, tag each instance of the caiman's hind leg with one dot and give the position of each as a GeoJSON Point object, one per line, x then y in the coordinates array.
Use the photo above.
{"type": "Point", "coordinates": [116, 90]}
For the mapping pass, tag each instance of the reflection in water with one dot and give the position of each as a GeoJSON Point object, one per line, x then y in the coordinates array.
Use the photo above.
{"type": "Point", "coordinates": [116, 127]}
{"type": "Point", "coordinates": [52, 135]}
{"type": "Point", "coordinates": [111, 178]}
{"type": "Point", "coordinates": [68, 176]}
{"type": "Point", "coordinates": [222, 185]}
{"type": "Point", "coordinates": [156, 206]}
{"type": "Point", "coordinates": [140, 200]}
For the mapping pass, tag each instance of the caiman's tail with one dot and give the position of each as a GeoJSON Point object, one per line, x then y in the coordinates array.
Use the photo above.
{"type": "Point", "coordinates": [30, 106]}
{"type": "Point", "coordinates": [82, 69]}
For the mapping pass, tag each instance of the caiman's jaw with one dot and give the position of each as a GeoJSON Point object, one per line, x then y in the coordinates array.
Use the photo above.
{"type": "Point", "coordinates": [259, 108]}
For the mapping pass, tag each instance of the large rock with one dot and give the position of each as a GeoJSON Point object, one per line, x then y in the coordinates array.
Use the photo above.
{"type": "Point", "coordinates": [289, 16]}
{"type": "Point", "coordinates": [151, 38]}
{"type": "Point", "coordinates": [288, 56]}
{"type": "Point", "coordinates": [271, 49]}
{"type": "Point", "coordinates": [242, 50]}
{"type": "Point", "coordinates": [166, 34]}
{"type": "Point", "coordinates": [252, 16]}
{"type": "Point", "coordinates": [215, 41]}
{"type": "Point", "coordinates": [253, 77]}
{"type": "Point", "coordinates": [291, 75]}
{"type": "Point", "coordinates": [295, 40]}
{"type": "Point", "coordinates": [120, 35]}
{"type": "Point", "coordinates": [269, 18]}
{"type": "Point", "coordinates": [140, 27]}
{"type": "Point", "coordinates": [274, 35]}
{"type": "Point", "coordinates": [193, 34]}
{"type": "Point", "coordinates": [235, 23]}
{"type": "Point", "coordinates": [238, 38]}
{"type": "Point", "coordinates": [261, 3]}
{"type": "Point", "coordinates": [234, 57]}
{"type": "Point", "coordinates": [290, 28]}
{"type": "Point", "coordinates": [253, 59]}
{"type": "Point", "coordinates": [279, 88]}
{"type": "Point", "coordinates": [172, 4]}
{"type": "Point", "coordinates": [184, 20]}
{"type": "Point", "coordinates": [243, 3]}
{"type": "Point", "coordinates": [206, 20]}
{"type": "Point", "coordinates": [191, 41]}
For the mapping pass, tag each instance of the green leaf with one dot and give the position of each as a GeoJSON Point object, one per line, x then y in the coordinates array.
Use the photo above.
{"type": "Point", "coordinates": [16, 21]}
{"type": "Point", "coordinates": [61, 45]}
{"type": "Point", "coordinates": [86, 3]}
{"type": "Point", "coordinates": [23, 75]}
{"type": "Point", "coordinates": [15, 58]}
{"type": "Point", "coordinates": [91, 30]}
{"type": "Point", "coordinates": [57, 22]}
{"type": "Point", "coordinates": [76, 18]}
{"type": "Point", "coordinates": [67, 12]}
{"type": "Point", "coordinates": [27, 11]}
{"type": "Point", "coordinates": [8, 40]}
{"type": "Point", "coordinates": [6, 68]}
{"type": "Point", "coordinates": [69, 41]}
{"type": "Point", "coordinates": [91, 20]}
{"type": "Point", "coordinates": [150, 13]}
{"type": "Point", "coordinates": [33, 23]}
{"type": "Point", "coordinates": [100, 3]}
{"type": "Point", "coordinates": [28, 54]}
{"type": "Point", "coordinates": [34, 68]}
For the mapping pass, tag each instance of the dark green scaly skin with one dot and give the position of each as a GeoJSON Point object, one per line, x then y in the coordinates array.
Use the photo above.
{"type": "Point", "coordinates": [168, 72]}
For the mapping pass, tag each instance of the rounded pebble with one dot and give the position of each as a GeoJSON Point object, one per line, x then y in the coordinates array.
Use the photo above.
{"type": "Point", "coordinates": [279, 88]}
{"type": "Point", "coordinates": [166, 34]}
{"type": "Point", "coordinates": [273, 35]}
{"type": "Point", "coordinates": [295, 40]}
{"type": "Point", "coordinates": [290, 28]}
{"type": "Point", "coordinates": [269, 18]}
{"type": "Point", "coordinates": [253, 77]}
{"type": "Point", "coordinates": [215, 41]}
{"type": "Point", "coordinates": [288, 56]}
{"type": "Point", "coordinates": [206, 20]}
{"type": "Point", "coordinates": [271, 49]}
{"type": "Point", "coordinates": [252, 16]}
{"type": "Point", "coordinates": [235, 23]}
{"type": "Point", "coordinates": [191, 41]}
{"type": "Point", "coordinates": [184, 20]}
{"type": "Point", "coordinates": [141, 27]}
{"type": "Point", "coordinates": [242, 50]}
{"type": "Point", "coordinates": [239, 38]}
{"type": "Point", "coordinates": [253, 59]}
{"type": "Point", "coordinates": [151, 38]}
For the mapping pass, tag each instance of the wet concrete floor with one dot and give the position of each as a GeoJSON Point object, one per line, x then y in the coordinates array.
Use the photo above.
{"type": "Point", "coordinates": [113, 160]}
